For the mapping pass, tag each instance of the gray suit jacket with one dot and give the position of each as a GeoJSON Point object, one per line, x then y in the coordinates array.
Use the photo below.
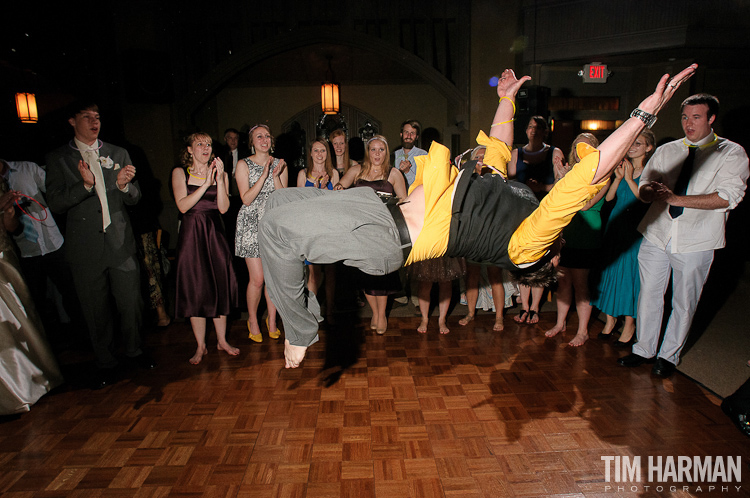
{"type": "Point", "coordinates": [85, 241]}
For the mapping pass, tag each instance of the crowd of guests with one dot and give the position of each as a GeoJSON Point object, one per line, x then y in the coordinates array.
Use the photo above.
{"type": "Point", "coordinates": [92, 183]}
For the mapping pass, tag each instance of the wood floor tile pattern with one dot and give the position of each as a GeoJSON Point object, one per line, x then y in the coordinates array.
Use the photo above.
{"type": "Point", "coordinates": [471, 414]}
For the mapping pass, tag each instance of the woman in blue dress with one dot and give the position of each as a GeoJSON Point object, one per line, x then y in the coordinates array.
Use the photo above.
{"type": "Point", "coordinates": [619, 285]}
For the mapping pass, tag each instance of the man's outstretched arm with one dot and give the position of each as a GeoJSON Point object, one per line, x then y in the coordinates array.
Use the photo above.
{"type": "Point", "coordinates": [613, 149]}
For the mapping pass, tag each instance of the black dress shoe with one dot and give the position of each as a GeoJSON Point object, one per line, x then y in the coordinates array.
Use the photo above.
{"type": "Point", "coordinates": [632, 360]}
{"type": "Point", "coordinates": [604, 337]}
{"type": "Point", "coordinates": [145, 361]}
{"type": "Point", "coordinates": [663, 368]}
{"type": "Point", "coordinates": [103, 377]}
{"type": "Point", "coordinates": [622, 345]}
{"type": "Point", "coordinates": [739, 419]}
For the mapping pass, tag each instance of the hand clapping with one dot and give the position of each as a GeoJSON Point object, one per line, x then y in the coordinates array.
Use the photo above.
{"type": "Point", "coordinates": [125, 176]}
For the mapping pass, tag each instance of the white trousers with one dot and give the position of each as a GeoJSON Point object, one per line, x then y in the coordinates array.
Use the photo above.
{"type": "Point", "coordinates": [689, 272]}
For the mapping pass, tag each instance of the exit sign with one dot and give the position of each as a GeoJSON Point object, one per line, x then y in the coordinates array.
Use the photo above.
{"type": "Point", "coordinates": [594, 73]}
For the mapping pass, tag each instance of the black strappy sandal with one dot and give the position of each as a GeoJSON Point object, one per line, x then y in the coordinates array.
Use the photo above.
{"type": "Point", "coordinates": [533, 314]}
{"type": "Point", "coordinates": [522, 316]}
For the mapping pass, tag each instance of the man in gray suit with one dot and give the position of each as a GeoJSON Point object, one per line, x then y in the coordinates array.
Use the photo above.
{"type": "Point", "coordinates": [92, 182]}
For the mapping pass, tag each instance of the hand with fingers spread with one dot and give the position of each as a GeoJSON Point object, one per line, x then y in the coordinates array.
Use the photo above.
{"type": "Point", "coordinates": [88, 177]}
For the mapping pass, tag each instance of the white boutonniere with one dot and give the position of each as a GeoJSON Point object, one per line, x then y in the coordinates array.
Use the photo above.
{"type": "Point", "coordinates": [106, 162]}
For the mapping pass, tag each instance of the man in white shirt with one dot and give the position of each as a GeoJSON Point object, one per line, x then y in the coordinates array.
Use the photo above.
{"type": "Point", "coordinates": [404, 157]}
{"type": "Point", "coordinates": [40, 242]}
{"type": "Point", "coordinates": [692, 184]}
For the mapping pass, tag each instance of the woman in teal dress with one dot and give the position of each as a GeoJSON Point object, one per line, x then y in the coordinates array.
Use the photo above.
{"type": "Point", "coordinates": [619, 285]}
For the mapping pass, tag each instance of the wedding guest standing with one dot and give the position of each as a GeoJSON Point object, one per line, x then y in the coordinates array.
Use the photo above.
{"type": "Point", "coordinates": [257, 176]}
{"type": "Point", "coordinates": [206, 286]}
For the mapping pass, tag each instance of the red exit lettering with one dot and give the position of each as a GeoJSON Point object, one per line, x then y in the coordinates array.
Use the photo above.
{"type": "Point", "coordinates": [596, 72]}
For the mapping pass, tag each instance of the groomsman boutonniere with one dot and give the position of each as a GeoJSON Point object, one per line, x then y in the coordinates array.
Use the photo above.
{"type": "Point", "coordinates": [108, 163]}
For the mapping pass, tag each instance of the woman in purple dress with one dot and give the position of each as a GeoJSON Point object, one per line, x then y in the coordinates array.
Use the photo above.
{"type": "Point", "coordinates": [376, 172]}
{"type": "Point", "coordinates": [206, 285]}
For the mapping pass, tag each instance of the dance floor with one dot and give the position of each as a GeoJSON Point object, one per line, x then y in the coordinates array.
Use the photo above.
{"type": "Point", "coordinates": [474, 413]}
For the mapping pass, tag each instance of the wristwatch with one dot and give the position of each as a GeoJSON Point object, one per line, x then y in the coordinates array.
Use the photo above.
{"type": "Point", "coordinates": [648, 118]}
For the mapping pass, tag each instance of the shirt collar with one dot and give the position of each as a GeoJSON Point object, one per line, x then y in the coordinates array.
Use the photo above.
{"type": "Point", "coordinates": [704, 142]}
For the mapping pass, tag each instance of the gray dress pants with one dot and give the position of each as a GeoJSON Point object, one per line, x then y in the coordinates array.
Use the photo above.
{"type": "Point", "coordinates": [322, 227]}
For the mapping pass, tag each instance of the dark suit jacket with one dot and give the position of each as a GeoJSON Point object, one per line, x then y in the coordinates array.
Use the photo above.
{"type": "Point", "coordinates": [226, 158]}
{"type": "Point", "coordinates": [85, 240]}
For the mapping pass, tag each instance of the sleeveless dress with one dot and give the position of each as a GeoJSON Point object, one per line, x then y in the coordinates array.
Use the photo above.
{"type": "Point", "coordinates": [27, 365]}
{"type": "Point", "coordinates": [543, 172]}
{"type": "Point", "coordinates": [310, 183]}
{"type": "Point", "coordinates": [246, 236]}
{"type": "Point", "coordinates": [206, 285]}
{"type": "Point", "coordinates": [620, 284]}
{"type": "Point", "coordinates": [379, 285]}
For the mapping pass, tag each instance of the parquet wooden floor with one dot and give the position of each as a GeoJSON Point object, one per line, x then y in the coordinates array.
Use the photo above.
{"type": "Point", "coordinates": [470, 414]}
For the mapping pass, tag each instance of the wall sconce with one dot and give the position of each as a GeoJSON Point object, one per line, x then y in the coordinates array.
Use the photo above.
{"type": "Point", "coordinates": [329, 93]}
{"type": "Point", "coordinates": [26, 107]}
{"type": "Point", "coordinates": [597, 125]}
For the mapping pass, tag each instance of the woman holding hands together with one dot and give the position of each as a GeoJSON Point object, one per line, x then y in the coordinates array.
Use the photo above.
{"type": "Point", "coordinates": [257, 176]}
{"type": "Point", "coordinates": [206, 285]}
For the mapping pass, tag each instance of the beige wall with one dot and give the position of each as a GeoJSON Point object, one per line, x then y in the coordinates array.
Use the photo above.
{"type": "Point", "coordinates": [391, 104]}
{"type": "Point", "coordinates": [493, 37]}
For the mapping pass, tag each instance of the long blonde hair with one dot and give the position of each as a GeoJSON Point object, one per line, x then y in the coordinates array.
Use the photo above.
{"type": "Point", "coordinates": [328, 163]}
{"type": "Point", "coordinates": [367, 164]}
{"type": "Point", "coordinates": [582, 137]}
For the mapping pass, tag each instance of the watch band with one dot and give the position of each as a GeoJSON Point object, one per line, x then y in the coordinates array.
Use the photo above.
{"type": "Point", "coordinates": [647, 118]}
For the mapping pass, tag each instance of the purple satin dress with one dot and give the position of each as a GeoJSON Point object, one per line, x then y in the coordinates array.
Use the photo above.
{"type": "Point", "coordinates": [206, 284]}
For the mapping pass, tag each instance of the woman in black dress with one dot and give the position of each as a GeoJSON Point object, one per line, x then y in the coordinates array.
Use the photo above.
{"type": "Point", "coordinates": [376, 172]}
{"type": "Point", "coordinates": [206, 285]}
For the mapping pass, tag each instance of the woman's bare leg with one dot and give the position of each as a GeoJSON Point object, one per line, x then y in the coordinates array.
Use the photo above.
{"type": "Point", "coordinates": [495, 275]}
{"type": "Point", "coordinates": [220, 324]}
{"type": "Point", "coordinates": [198, 324]}
{"type": "Point", "coordinates": [444, 293]}
{"type": "Point", "coordinates": [583, 306]}
{"type": "Point", "coordinates": [563, 298]}
{"type": "Point", "coordinates": [254, 292]}
{"type": "Point", "coordinates": [423, 294]}
{"type": "Point", "coordinates": [472, 292]}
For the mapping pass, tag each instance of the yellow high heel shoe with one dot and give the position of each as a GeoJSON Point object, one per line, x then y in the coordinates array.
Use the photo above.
{"type": "Point", "coordinates": [273, 335]}
{"type": "Point", "coordinates": [254, 337]}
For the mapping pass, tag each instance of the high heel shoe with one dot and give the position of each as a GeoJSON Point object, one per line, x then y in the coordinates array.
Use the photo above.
{"type": "Point", "coordinates": [273, 335]}
{"type": "Point", "coordinates": [604, 337]}
{"type": "Point", "coordinates": [254, 337]}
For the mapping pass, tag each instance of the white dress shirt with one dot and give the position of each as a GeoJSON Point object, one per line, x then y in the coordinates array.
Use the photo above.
{"type": "Point", "coordinates": [721, 166]}
{"type": "Point", "coordinates": [40, 236]}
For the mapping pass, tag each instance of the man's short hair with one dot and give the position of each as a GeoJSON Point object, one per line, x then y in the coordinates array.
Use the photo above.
{"type": "Point", "coordinates": [703, 98]}
{"type": "Point", "coordinates": [544, 276]}
{"type": "Point", "coordinates": [414, 124]}
{"type": "Point", "coordinates": [231, 130]}
{"type": "Point", "coordinates": [78, 106]}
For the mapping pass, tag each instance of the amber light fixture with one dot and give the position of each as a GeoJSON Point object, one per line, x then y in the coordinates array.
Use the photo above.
{"type": "Point", "coordinates": [26, 107]}
{"type": "Point", "coordinates": [597, 125]}
{"type": "Point", "coordinates": [329, 93]}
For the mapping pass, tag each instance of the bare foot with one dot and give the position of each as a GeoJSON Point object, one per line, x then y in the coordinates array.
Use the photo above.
{"type": "Point", "coordinates": [555, 330]}
{"type": "Point", "coordinates": [443, 327]}
{"type": "Point", "coordinates": [521, 316]}
{"type": "Point", "coordinates": [199, 354]}
{"type": "Point", "coordinates": [231, 350]}
{"type": "Point", "coordinates": [579, 339]}
{"type": "Point", "coordinates": [498, 327]}
{"type": "Point", "coordinates": [373, 323]}
{"type": "Point", "coordinates": [465, 320]}
{"type": "Point", "coordinates": [423, 326]}
{"type": "Point", "coordinates": [293, 354]}
{"type": "Point", "coordinates": [533, 317]}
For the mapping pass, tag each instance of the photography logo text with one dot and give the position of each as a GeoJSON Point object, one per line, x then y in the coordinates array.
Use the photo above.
{"type": "Point", "coordinates": [696, 474]}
